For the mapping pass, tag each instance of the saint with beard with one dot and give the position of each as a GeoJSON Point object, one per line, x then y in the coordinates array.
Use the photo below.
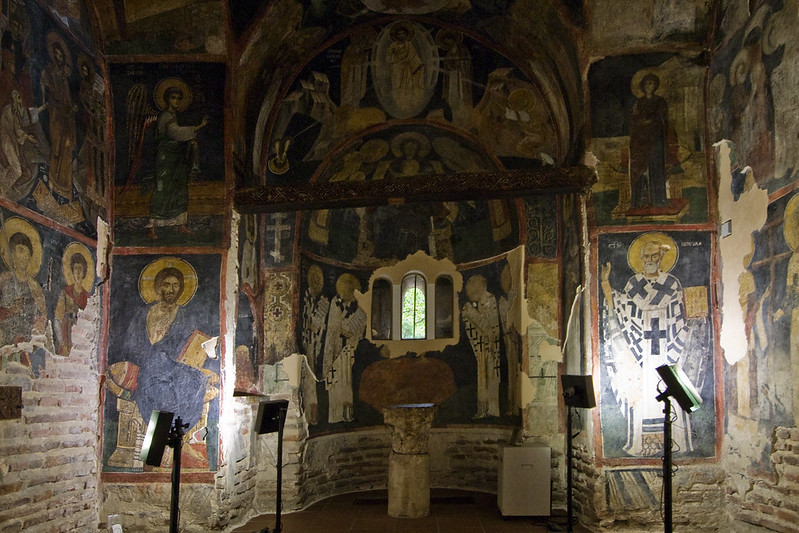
{"type": "Point", "coordinates": [646, 327]}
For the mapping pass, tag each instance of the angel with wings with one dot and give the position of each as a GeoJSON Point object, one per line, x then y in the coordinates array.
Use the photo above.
{"type": "Point", "coordinates": [176, 154]}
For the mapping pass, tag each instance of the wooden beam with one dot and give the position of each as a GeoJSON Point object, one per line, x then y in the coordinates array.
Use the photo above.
{"type": "Point", "coordinates": [427, 188]}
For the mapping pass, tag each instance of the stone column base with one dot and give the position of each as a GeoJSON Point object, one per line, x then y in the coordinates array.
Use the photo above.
{"type": "Point", "coordinates": [408, 485]}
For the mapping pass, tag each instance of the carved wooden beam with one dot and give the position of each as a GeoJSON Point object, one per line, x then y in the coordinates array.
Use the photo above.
{"type": "Point", "coordinates": [430, 188]}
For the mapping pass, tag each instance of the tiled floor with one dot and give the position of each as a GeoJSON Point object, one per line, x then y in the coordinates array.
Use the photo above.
{"type": "Point", "coordinates": [367, 512]}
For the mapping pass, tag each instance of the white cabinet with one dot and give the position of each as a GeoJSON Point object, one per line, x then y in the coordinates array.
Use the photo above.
{"type": "Point", "coordinates": [524, 481]}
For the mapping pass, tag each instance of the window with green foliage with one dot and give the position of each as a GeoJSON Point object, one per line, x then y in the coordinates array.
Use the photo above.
{"type": "Point", "coordinates": [413, 307]}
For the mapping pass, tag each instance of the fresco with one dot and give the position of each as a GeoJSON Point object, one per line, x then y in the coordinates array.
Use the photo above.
{"type": "Point", "coordinates": [279, 239]}
{"type": "Point", "coordinates": [768, 297]}
{"type": "Point", "coordinates": [541, 224]}
{"type": "Point", "coordinates": [485, 363]}
{"type": "Point", "coordinates": [407, 70]}
{"type": "Point", "coordinates": [461, 231]}
{"type": "Point", "coordinates": [162, 355]}
{"type": "Point", "coordinates": [648, 135]}
{"type": "Point", "coordinates": [167, 28]}
{"type": "Point", "coordinates": [654, 310]}
{"type": "Point", "coordinates": [753, 79]}
{"type": "Point", "coordinates": [46, 279]}
{"type": "Point", "coordinates": [247, 347]}
{"type": "Point", "coordinates": [53, 92]}
{"type": "Point", "coordinates": [250, 301]}
{"type": "Point", "coordinates": [74, 16]}
{"type": "Point", "coordinates": [170, 172]}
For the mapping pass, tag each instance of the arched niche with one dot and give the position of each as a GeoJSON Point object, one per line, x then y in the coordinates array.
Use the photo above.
{"type": "Point", "coordinates": [429, 269]}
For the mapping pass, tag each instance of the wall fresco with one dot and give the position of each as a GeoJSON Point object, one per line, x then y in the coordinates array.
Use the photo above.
{"type": "Point", "coordinates": [485, 363]}
{"type": "Point", "coordinates": [753, 79]}
{"type": "Point", "coordinates": [765, 379]}
{"type": "Point", "coordinates": [164, 313]}
{"type": "Point", "coordinates": [170, 172]}
{"type": "Point", "coordinates": [460, 231]}
{"type": "Point", "coordinates": [648, 135]}
{"type": "Point", "coordinates": [167, 28]}
{"type": "Point", "coordinates": [53, 92]}
{"type": "Point", "coordinates": [406, 70]}
{"type": "Point", "coordinates": [46, 279]}
{"type": "Point", "coordinates": [654, 310]}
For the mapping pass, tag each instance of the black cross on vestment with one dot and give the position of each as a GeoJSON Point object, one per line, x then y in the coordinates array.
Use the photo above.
{"type": "Point", "coordinates": [637, 288]}
{"type": "Point", "coordinates": [655, 334]}
{"type": "Point", "coordinates": [469, 330]}
{"type": "Point", "coordinates": [663, 290]}
{"type": "Point", "coordinates": [478, 343]}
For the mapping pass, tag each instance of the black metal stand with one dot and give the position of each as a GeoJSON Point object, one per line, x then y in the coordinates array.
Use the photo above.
{"type": "Point", "coordinates": [176, 443]}
{"type": "Point", "coordinates": [278, 503]}
{"type": "Point", "coordinates": [281, 419]}
{"type": "Point", "coordinates": [667, 495]}
{"type": "Point", "coordinates": [569, 437]}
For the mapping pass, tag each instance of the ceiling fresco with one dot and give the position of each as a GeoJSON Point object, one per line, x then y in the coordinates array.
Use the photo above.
{"type": "Point", "coordinates": [329, 74]}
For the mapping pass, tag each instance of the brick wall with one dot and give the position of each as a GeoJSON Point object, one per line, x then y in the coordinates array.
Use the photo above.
{"type": "Point", "coordinates": [770, 498]}
{"type": "Point", "coordinates": [466, 458]}
{"type": "Point", "coordinates": [49, 471]}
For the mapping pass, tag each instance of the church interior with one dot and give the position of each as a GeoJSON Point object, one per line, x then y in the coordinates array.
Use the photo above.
{"type": "Point", "coordinates": [272, 253]}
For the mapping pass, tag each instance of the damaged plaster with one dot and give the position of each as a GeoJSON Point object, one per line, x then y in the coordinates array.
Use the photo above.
{"type": "Point", "coordinates": [746, 215]}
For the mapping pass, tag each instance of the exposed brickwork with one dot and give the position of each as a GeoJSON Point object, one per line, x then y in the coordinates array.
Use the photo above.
{"type": "Point", "coordinates": [49, 471]}
{"type": "Point", "coordinates": [770, 499]}
{"type": "Point", "coordinates": [698, 495]}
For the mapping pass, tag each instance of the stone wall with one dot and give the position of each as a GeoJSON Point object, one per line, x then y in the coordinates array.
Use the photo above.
{"type": "Point", "coordinates": [344, 462]}
{"type": "Point", "coordinates": [49, 471]}
{"type": "Point", "coordinates": [465, 458]}
{"type": "Point", "coordinates": [769, 497]}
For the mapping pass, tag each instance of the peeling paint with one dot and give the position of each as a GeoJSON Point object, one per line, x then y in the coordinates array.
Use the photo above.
{"type": "Point", "coordinates": [747, 215]}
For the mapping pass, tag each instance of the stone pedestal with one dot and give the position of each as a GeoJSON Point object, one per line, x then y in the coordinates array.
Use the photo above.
{"type": "Point", "coordinates": [409, 462]}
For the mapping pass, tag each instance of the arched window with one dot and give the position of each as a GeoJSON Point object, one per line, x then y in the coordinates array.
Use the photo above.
{"type": "Point", "coordinates": [381, 309]}
{"type": "Point", "coordinates": [414, 310]}
{"type": "Point", "coordinates": [443, 303]}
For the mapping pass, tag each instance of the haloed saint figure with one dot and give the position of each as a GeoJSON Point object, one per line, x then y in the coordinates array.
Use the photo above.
{"type": "Point", "coordinates": [645, 327]}
{"type": "Point", "coordinates": [176, 158]}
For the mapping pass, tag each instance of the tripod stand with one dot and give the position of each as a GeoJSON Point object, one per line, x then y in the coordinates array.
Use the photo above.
{"type": "Point", "coordinates": [578, 391]}
{"type": "Point", "coordinates": [271, 417]}
{"type": "Point", "coordinates": [175, 441]}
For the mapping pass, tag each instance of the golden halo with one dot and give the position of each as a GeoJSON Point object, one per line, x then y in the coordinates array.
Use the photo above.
{"type": "Point", "coordinates": [522, 100]}
{"type": "Point", "coordinates": [448, 32]}
{"type": "Point", "coordinates": [72, 249]}
{"type": "Point", "coordinates": [402, 25]}
{"type": "Point", "coordinates": [475, 287]}
{"type": "Point", "coordinates": [168, 83]}
{"type": "Point", "coordinates": [147, 279]}
{"type": "Point", "coordinates": [424, 143]}
{"type": "Point", "coordinates": [363, 37]}
{"type": "Point", "coordinates": [83, 59]}
{"type": "Point", "coordinates": [17, 225]}
{"type": "Point", "coordinates": [634, 252]}
{"type": "Point", "coordinates": [790, 224]}
{"type": "Point", "coordinates": [346, 285]}
{"type": "Point", "coordinates": [316, 279]}
{"type": "Point", "coordinates": [53, 38]}
{"type": "Point", "coordinates": [635, 82]}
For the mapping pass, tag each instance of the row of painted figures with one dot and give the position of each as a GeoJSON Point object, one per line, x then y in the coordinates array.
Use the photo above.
{"type": "Point", "coordinates": [23, 304]}
{"type": "Point", "coordinates": [333, 328]}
